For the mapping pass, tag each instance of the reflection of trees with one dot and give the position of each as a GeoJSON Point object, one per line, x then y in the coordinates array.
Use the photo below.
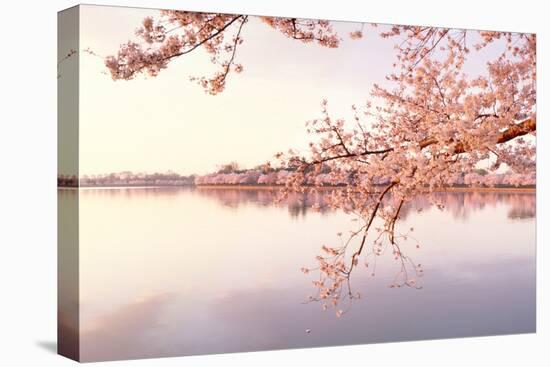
{"type": "Point", "coordinates": [459, 204]}
{"type": "Point", "coordinates": [298, 204]}
{"type": "Point", "coordinates": [134, 192]}
{"type": "Point", "coordinates": [522, 212]}
{"type": "Point", "coordinates": [462, 204]}
{"type": "Point", "coordinates": [334, 281]}
{"type": "Point", "coordinates": [521, 205]}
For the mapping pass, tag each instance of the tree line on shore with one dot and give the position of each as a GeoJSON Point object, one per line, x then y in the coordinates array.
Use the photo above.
{"type": "Point", "coordinates": [231, 175]}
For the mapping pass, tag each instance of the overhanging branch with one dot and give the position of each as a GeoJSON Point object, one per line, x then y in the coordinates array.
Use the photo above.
{"type": "Point", "coordinates": [517, 130]}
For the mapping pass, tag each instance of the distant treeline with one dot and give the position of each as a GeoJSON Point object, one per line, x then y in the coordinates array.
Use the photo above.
{"type": "Point", "coordinates": [137, 179]}
{"type": "Point", "coordinates": [275, 177]}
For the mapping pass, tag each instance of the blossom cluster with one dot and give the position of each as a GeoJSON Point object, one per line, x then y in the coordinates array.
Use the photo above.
{"type": "Point", "coordinates": [177, 33]}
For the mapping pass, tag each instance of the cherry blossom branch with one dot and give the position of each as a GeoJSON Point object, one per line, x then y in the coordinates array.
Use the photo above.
{"type": "Point", "coordinates": [207, 31]}
{"type": "Point", "coordinates": [213, 35]}
{"type": "Point", "coordinates": [192, 31]}
{"type": "Point", "coordinates": [369, 223]}
{"type": "Point", "coordinates": [514, 131]}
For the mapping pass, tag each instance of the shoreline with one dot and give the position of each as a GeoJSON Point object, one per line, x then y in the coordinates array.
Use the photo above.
{"type": "Point", "coordinates": [528, 190]}
{"type": "Point", "coordinates": [323, 188]}
{"type": "Point", "coordinates": [327, 188]}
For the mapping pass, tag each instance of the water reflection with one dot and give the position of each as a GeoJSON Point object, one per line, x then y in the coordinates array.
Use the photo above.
{"type": "Point", "coordinates": [460, 204]}
{"type": "Point", "coordinates": [178, 271]}
{"type": "Point", "coordinates": [297, 204]}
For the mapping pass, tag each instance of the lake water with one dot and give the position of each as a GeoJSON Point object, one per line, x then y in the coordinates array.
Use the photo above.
{"type": "Point", "coordinates": [179, 271]}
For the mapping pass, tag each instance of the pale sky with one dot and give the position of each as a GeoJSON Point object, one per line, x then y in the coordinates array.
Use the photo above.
{"type": "Point", "coordinates": [169, 123]}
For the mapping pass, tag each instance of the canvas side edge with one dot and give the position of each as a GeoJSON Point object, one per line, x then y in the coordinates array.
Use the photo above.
{"type": "Point", "coordinates": [68, 305]}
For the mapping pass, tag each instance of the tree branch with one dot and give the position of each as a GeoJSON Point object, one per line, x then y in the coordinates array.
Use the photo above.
{"type": "Point", "coordinates": [511, 133]}
{"type": "Point", "coordinates": [514, 131]}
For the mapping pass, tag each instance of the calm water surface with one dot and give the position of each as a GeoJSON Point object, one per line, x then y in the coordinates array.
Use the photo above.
{"type": "Point", "coordinates": [189, 271]}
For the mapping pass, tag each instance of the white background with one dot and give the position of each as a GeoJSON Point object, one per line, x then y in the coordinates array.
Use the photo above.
{"type": "Point", "coordinates": [28, 178]}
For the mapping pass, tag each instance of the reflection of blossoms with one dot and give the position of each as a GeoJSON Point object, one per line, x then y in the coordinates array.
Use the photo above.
{"type": "Point", "coordinates": [462, 204]}
{"type": "Point", "coordinates": [332, 266]}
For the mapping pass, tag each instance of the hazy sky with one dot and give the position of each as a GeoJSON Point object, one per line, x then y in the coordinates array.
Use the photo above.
{"type": "Point", "coordinates": [169, 123]}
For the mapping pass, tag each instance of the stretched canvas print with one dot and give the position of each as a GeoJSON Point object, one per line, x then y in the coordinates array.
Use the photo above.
{"type": "Point", "coordinates": [234, 183]}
